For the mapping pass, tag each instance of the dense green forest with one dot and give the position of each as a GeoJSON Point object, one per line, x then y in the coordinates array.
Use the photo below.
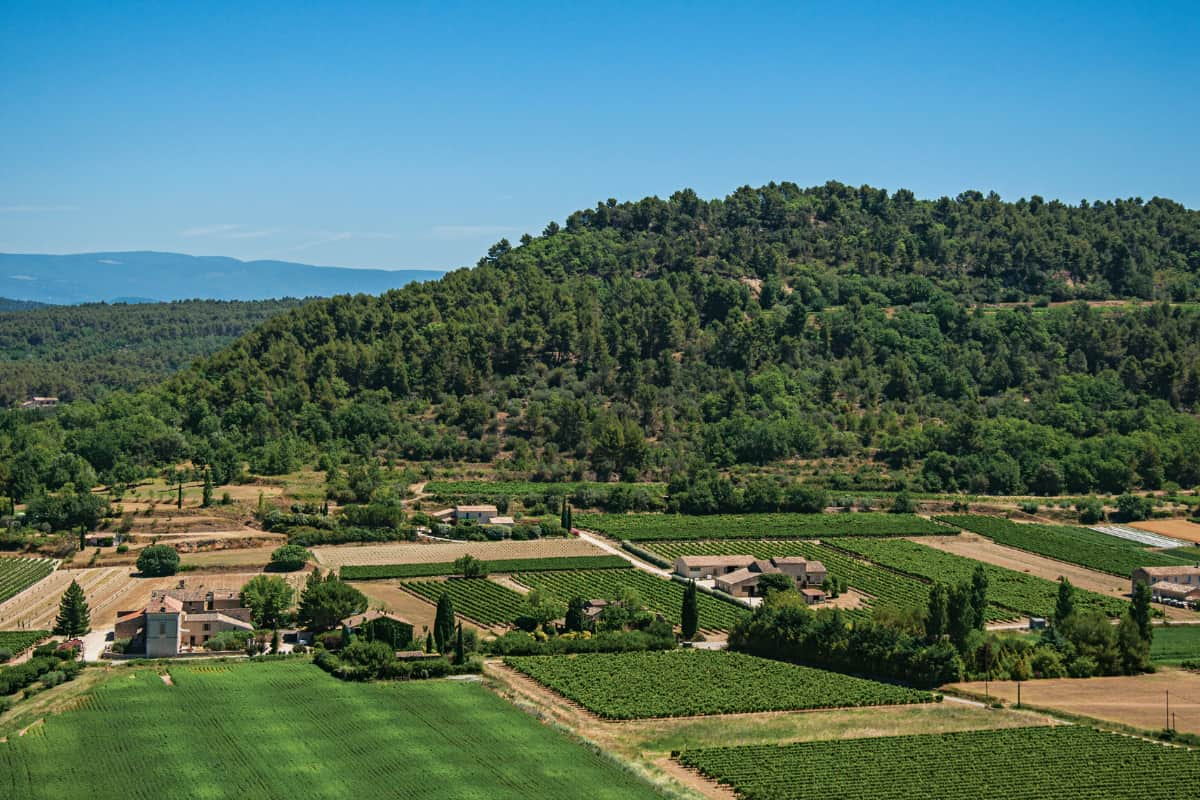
{"type": "Point", "coordinates": [671, 339]}
{"type": "Point", "coordinates": [77, 352]}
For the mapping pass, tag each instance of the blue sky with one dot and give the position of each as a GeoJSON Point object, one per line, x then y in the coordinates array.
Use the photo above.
{"type": "Point", "coordinates": [405, 135]}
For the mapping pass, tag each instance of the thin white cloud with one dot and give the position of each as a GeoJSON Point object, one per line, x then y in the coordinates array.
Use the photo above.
{"type": "Point", "coordinates": [110, 261]}
{"type": "Point", "coordinates": [22, 277]}
{"type": "Point", "coordinates": [210, 230]}
{"type": "Point", "coordinates": [328, 237]}
{"type": "Point", "coordinates": [21, 209]}
{"type": "Point", "coordinates": [469, 231]}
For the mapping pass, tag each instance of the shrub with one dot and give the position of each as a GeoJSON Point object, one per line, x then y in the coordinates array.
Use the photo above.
{"type": "Point", "coordinates": [5, 655]}
{"type": "Point", "coordinates": [158, 560]}
{"type": "Point", "coordinates": [289, 558]}
{"type": "Point", "coordinates": [1083, 667]}
{"type": "Point", "coordinates": [122, 548]}
{"type": "Point", "coordinates": [53, 678]}
{"type": "Point", "coordinates": [228, 640]}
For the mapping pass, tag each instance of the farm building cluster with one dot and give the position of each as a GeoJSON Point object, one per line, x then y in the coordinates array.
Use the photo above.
{"type": "Point", "coordinates": [1177, 586]}
{"type": "Point", "coordinates": [739, 575]}
{"type": "Point", "coordinates": [178, 620]}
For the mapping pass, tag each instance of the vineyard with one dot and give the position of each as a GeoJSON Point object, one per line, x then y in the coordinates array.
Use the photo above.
{"type": "Point", "coordinates": [477, 598]}
{"type": "Point", "coordinates": [492, 489]}
{"type": "Point", "coordinates": [263, 730]}
{"type": "Point", "coordinates": [1073, 544]}
{"type": "Point", "coordinates": [1015, 764]}
{"type": "Point", "coordinates": [659, 527]}
{"type": "Point", "coordinates": [884, 586]}
{"type": "Point", "coordinates": [656, 594]}
{"type": "Point", "coordinates": [1006, 588]}
{"type": "Point", "coordinates": [370, 572]}
{"type": "Point", "coordinates": [16, 641]}
{"type": "Point", "coordinates": [696, 682]}
{"type": "Point", "coordinates": [18, 574]}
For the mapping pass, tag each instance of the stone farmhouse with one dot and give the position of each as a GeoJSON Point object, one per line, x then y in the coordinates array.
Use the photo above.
{"type": "Point", "coordinates": [481, 514]}
{"type": "Point", "coordinates": [40, 402]}
{"type": "Point", "coordinates": [1184, 574]}
{"type": "Point", "coordinates": [738, 575]}
{"type": "Point", "coordinates": [179, 620]}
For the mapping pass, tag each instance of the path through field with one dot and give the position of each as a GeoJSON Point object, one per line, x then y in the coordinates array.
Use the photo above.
{"type": "Point", "coordinates": [595, 540]}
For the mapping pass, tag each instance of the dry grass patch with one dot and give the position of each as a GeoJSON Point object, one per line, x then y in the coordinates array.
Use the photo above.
{"type": "Point", "coordinates": [335, 556]}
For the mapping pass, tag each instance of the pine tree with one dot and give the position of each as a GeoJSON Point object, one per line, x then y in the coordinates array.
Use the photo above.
{"type": "Point", "coordinates": [690, 615]}
{"type": "Point", "coordinates": [206, 500]}
{"type": "Point", "coordinates": [1140, 610]}
{"type": "Point", "coordinates": [443, 622]}
{"type": "Point", "coordinates": [1065, 606]}
{"type": "Point", "coordinates": [979, 587]}
{"type": "Point", "coordinates": [74, 617]}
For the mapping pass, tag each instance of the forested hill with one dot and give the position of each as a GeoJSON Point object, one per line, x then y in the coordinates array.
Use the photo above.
{"type": "Point", "coordinates": [668, 338]}
{"type": "Point", "coordinates": [76, 352]}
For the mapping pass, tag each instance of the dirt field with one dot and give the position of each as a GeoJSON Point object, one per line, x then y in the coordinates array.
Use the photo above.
{"type": "Point", "coordinates": [1138, 700]}
{"type": "Point", "coordinates": [392, 598]}
{"type": "Point", "coordinates": [436, 552]}
{"type": "Point", "coordinates": [1175, 528]}
{"type": "Point", "coordinates": [108, 590]}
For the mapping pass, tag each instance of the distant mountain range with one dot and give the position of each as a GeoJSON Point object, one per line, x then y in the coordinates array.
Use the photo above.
{"type": "Point", "coordinates": [143, 276]}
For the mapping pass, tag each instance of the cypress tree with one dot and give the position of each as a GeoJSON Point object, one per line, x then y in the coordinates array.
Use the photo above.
{"type": "Point", "coordinates": [460, 653]}
{"type": "Point", "coordinates": [429, 642]}
{"type": "Point", "coordinates": [1140, 610]}
{"type": "Point", "coordinates": [443, 623]}
{"type": "Point", "coordinates": [979, 587]}
{"type": "Point", "coordinates": [1065, 606]}
{"type": "Point", "coordinates": [179, 499]}
{"type": "Point", "coordinates": [936, 617]}
{"type": "Point", "coordinates": [574, 618]}
{"type": "Point", "coordinates": [74, 617]}
{"type": "Point", "coordinates": [206, 501]}
{"type": "Point", "coordinates": [690, 614]}
{"type": "Point", "coordinates": [960, 616]}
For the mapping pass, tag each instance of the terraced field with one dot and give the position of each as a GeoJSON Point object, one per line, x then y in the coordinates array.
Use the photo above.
{"type": "Point", "coordinates": [660, 527]}
{"type": "Point", "coordinates": [657, 594]}
{"type": "Point", "coordinates": [1006, 588]}
{"type": "Point", "coordinates": [1071, 543]}
{"type": "Point", "coordinates": [1016, 764]}
{"type": "Point", "coordinates": [286, 730]}
{"type": "Point", "coordinates": [686, 683]}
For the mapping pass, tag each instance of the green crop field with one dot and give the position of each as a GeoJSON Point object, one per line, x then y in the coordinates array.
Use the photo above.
{"type": "Point", "coordinates": [656, 594]}
{"type": "Point", "coordinates": [478, 598]}
{"type": "Point", "coordinates": [287, 730]}
{"type": "Point", "coordinates": [657, 527]}
{"type": "Point", "coordinates": [1190, 555]}
{"type": "Point", "coordinates": [18, 574]}
{"type": "Point", "coordinates": [1007, 588]}
{"type": "Point", "coordinates": [373, 571]}
{"type": "Point", "coordinates": [16, 641]}
{"type": "Point", "coordinates": [1175, 643]}
{"type": "Point", "coordinates": [523, 488]}
{"type": "Point", "coordinates": [885, 587]}
{"type": "Point", "coordinates": [693, 682]}
{"type": "Point", "coordinates": [1069, 761]}
{"type": "Point", "coordinates": [1070, 543]}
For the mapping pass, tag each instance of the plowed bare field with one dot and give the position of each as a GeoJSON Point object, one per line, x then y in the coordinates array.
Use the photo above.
{"type": "Point", "coordinates": [1175, 528]}
{"type": "Point", "coordinates": [433, 553]}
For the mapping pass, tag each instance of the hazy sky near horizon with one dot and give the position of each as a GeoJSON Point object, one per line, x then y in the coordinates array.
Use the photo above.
{"type": "Point", "coordinates": [415, 135]}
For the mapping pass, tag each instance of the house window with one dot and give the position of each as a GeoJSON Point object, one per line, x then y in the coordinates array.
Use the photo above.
{"type": "Point", "coordinates": [162, 629]}
{"type": "Point", "coordinates": [206, 627]}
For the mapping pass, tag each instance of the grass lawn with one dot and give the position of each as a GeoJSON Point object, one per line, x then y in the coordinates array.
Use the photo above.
{"type": "Point", "coordinates": [288, 730]}
{"type": "Point", "coordinates": [1175, 643]}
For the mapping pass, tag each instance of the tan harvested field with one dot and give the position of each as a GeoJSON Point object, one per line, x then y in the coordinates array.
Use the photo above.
{"type": "Point", "coordinates": [1176, 528]}
{"type": "Point", "coordinates": [108, 590]}
{"type": "Point", "coordinates": [249, 557]}
{"type": "Point", "coordinates": [1135, 700]}
{"type": "Point", "coordinates": [387, 595]}
{"type": "Point", "coordinates": [972, 545]}
{"type": "Point", "coordinates": [437, 552]}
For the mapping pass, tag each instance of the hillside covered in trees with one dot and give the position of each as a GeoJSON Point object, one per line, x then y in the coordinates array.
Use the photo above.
{"type": "Point", "coordinates": [77, 352]}
{"type": "Point", "coordinates": [673, 338]}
